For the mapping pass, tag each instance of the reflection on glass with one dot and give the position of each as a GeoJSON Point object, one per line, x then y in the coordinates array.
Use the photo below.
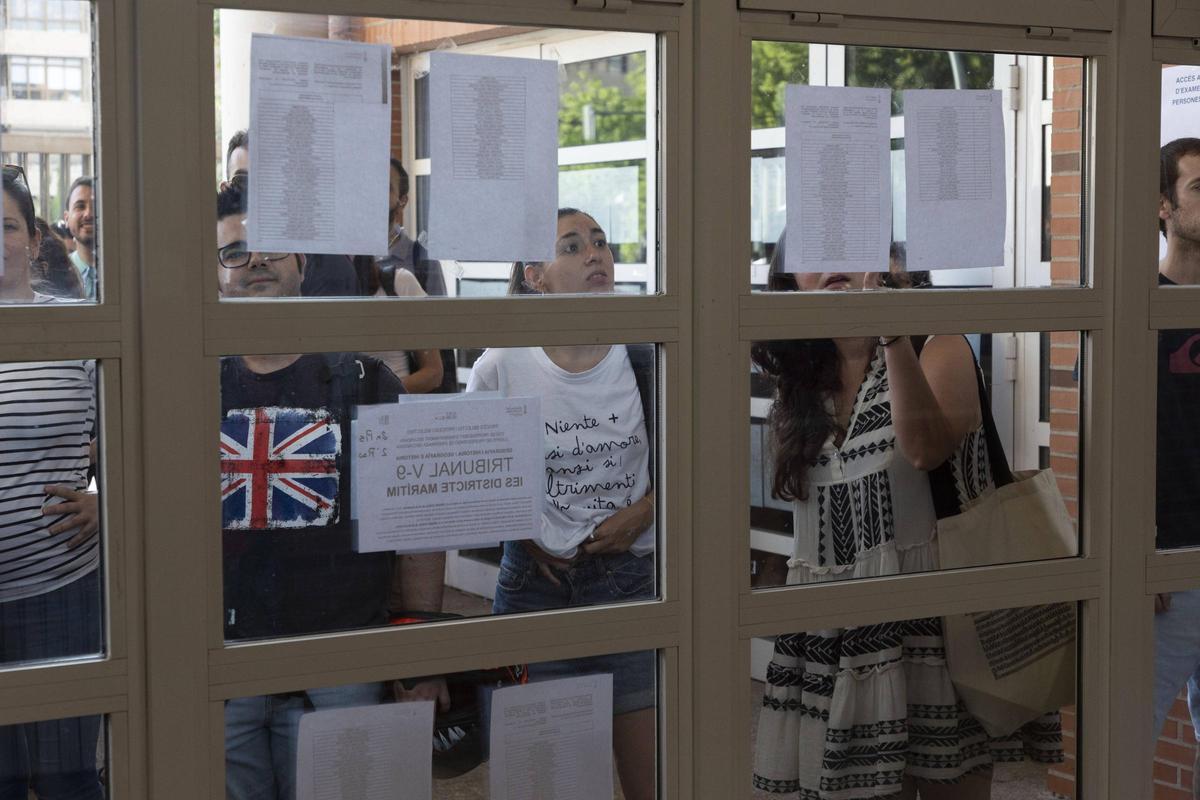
{"type": "Point", "coordinates": [603, 100]}
{"type": "Point", "coordinates": [54, 758]}
{"type": "Point", "coordinates": [606, 103]}
{"type": "Point", "coordinates": [549, 729]}
{"type": "Point", "coordinates": [1046, 174]}
{"type": "Point", "coordinates": [1176, 693]}
{"type": "Point", "coordinates": [43, 83]}
{"type": "Point", "coordinates": [287, 472]}
{"type": "Point", "coordinates": [903, 69]}
{"type": "Point", "coordinates": [874, 711]}
{"type": "Point", "coordinates": [860, 446]}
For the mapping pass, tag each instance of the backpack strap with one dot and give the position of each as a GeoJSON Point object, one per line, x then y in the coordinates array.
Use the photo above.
{"type": "Point", "coordinates": [350, 378]}
{"type": "Point", "coordinates": [641, 358]}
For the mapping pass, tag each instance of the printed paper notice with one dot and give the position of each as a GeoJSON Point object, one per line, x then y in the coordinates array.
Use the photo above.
{"type": "Point", "coordinates": [366, 753]}
{"type": "Point", "coordinates": [553, 739]}
{"type": "Point", "coordinates": [1180, 103]}
{"type": "Point", "coordinates": [955, 188]}
{"type": "Point", "coordinates": [320, 139]}
{"type": "Point", "coordinates": [494, 146]}
{"type": "Point", "coordinates": [838, 197]}
{"type": "Point", "coordinates": [446, 474]}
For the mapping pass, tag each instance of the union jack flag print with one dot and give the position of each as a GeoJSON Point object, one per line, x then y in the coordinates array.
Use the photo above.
{"type": "Point", "coordinates": [279, 468]}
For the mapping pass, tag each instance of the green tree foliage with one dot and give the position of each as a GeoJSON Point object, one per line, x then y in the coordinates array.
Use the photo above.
{"type": "Point", "coordinates": [773, 65]}
{"type": "Point", "coordinates": [619, 110]}
{"type": "Point", "coordinates": [900, 69]}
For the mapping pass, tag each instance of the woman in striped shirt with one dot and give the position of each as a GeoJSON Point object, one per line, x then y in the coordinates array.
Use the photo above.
{"type": "Point", "coordinates": [50, 596]}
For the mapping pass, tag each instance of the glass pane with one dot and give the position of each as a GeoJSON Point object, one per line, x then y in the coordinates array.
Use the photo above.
{"type": "Point", "coordinates": [599, 156]}
{"type": "Point", "coordinates": [51, 589]}
{"type": "Point", "coordinates": [1178, 440]}
{"type": "Point", "coordinates": [602, 100]}
{"type": "Point", "coordinates": [68, 757]}
{"type": "Point", "coordinates": [866, 453]}
{"type": "Point", "coordinates": [874, 710]}
{"type": "Point", "coordinates": [1176, 694]}
{"type": "Point", "coordinates": [1015, 211]}
{"type": "Point", "coordinates": [533, 730]}
{"type": "Point", "coordinates": [1179, 175]}
{"type": "Point", "coordinates": [51, 122]}
{"type": "Point", "coordinates": [403, 508]}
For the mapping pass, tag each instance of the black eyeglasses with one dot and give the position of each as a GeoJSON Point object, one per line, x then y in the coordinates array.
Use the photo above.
{"type": "Point", "coordinates": [236, 255]}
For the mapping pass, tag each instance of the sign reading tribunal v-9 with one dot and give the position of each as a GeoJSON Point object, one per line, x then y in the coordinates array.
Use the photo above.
{"type": "Point", "coordinates": [447, 474]}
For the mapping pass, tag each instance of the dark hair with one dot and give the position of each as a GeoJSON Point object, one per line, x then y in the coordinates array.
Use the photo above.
{"type": "Point", "coordinates": [239, 139]}
{"type": "Point", "coordinates": [53, 273]}
{"type": "Point", "coordinates": [804, 373]}
{"type": "Point", "coordinates": [61, 230]}
{"type": "Point", "coordinates": [1168, 170]}
{"type": "Point", "coordinates": [516, 277]}
{"type": "Point", "coordinates": [898, 252]}
{"type": "Point", "coordinates": [232, 199]}
{"type": "Point", "coordinates": [82, 180]}
{"type": "Point", "coordinates": [396, 165]}
{"type": "Point", "coordinates": [18, 190]}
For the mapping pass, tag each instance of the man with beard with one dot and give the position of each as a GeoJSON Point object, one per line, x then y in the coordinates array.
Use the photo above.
{"type": "Point", "coordinates": [80, 216]}
{"type": "Point", "coordinates": [1177, 622]}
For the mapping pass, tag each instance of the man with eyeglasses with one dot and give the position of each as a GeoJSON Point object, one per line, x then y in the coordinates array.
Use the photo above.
{"type": "Point", "coordinates": [290, 567]}
{"type": "Point", "coordinates": [325, 274]}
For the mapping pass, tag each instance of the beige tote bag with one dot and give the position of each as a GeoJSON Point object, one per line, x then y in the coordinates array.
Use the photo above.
{"type": "Point", "coordinates": [1010, 666]}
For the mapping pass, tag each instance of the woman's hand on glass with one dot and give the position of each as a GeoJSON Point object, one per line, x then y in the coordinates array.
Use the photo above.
{"type": "Point", "coordinates": [80, 512]}
{"type": "Point", "coordinates": [618, 532]}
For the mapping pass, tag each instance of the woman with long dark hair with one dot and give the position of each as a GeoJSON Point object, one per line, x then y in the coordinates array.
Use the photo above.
{"type": "Point", "coordinates": [50, 597]}
{"type": "Point", "coordinates": [857, 424]}
{"type": "Point", "coordinates": [596, 543]}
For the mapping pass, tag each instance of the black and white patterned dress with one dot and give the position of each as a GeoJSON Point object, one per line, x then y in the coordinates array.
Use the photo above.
{"type": "Point", "coordinates": [848, 712]}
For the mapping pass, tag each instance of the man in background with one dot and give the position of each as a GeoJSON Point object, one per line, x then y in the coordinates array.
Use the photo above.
{"type": "Point", "coordinates": [1177, 518]}
{"type": "Point", "coordinates": [325, 275]}
{"type": "Point", "coordinates": [80, 216]}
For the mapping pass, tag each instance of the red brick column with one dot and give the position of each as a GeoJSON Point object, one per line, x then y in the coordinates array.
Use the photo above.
{"type": "Point", "coordinates": [1066, 185]}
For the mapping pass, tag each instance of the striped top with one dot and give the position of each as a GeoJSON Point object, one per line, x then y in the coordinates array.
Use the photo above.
{"type": "Point", "coordinates": [47, 419]}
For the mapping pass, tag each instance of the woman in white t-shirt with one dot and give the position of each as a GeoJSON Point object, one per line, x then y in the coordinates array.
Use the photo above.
{"type": "Point", "coordinates": [596, 545]}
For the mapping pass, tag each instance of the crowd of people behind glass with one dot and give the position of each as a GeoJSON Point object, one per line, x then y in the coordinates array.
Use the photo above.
{"type": "Point", "coordinates": [847, 713]}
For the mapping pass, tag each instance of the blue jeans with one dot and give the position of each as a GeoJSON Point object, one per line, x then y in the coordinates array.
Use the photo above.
{"type": "Point", "coordinates": [56, 760]}
{"type": "Point", "coordinates": [261, 737]}
{"type": "Point", "coordinates": [1177, 657]}
{"type": "Point", "coordinates": [591, 581]}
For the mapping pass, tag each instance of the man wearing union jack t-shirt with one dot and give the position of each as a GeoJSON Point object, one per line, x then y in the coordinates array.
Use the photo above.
{"type": "Point", "coordinates": [290, 568]}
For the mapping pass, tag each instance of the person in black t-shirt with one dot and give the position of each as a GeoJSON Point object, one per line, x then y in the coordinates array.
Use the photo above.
{"type": "Point", "coordinates": [1177, 622]}
{"type": "Point", "coordinates": [290, 567]}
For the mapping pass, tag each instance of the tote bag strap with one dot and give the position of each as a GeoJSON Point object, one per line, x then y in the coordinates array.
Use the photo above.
{"type": "Point", "coordinates": [941, 479]}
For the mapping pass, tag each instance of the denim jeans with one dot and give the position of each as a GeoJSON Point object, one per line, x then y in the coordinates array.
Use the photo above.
{"type": "Point", "coordinates": [56, 760]}
{"type": "Point", "coordinates": [1177, 656]}
{"type": "Point", "coordinates": [261, 736]}
{"type": "Point", "coordinates": [591, 581]}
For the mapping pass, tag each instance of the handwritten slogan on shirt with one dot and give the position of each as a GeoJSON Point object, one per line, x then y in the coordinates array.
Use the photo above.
{"type": "Point", "coordinates": [585, 463]}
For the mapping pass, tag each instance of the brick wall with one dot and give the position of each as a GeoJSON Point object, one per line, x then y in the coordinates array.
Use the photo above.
{"type": "Point", "coordinates": [1066, 184]}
